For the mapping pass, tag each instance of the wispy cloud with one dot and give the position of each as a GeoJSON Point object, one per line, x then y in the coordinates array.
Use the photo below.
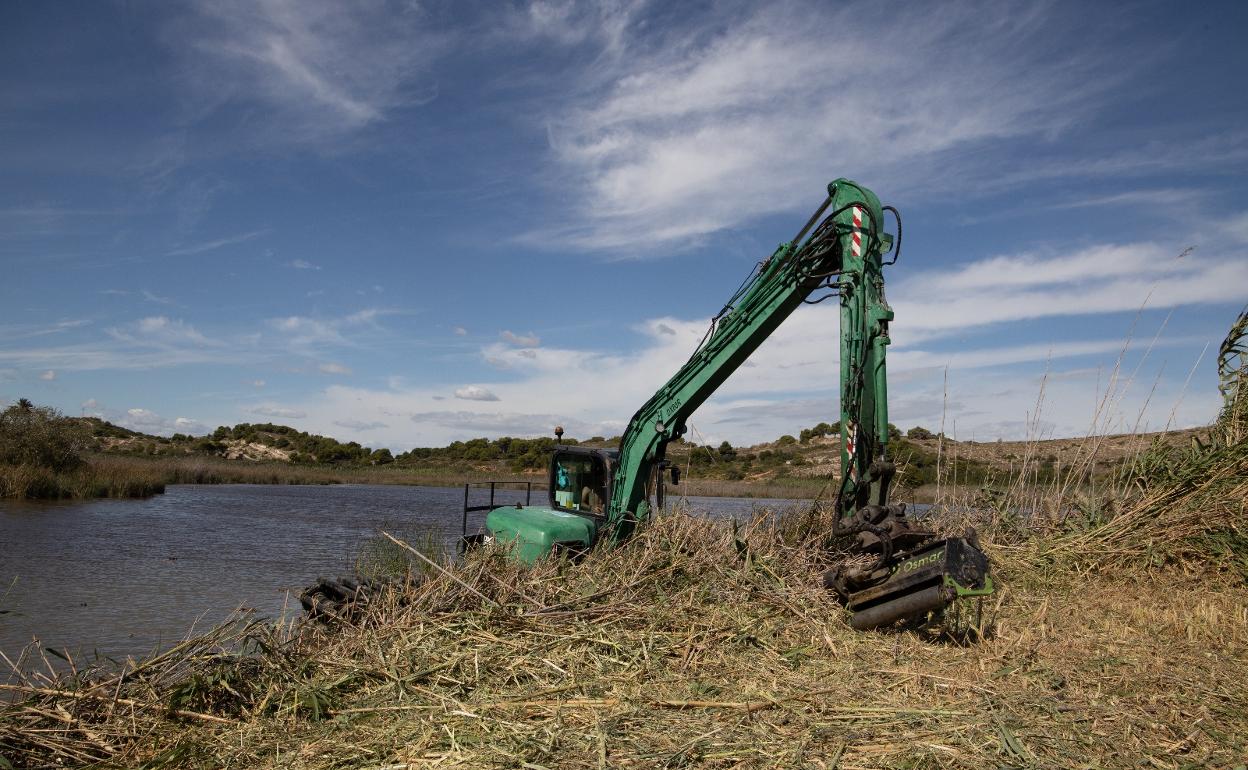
{"type": "Point", "coordinates": [312, 69]}
{"type": "Point", "coordinates": [279, 412]}
{"type": "Point", "coordinates": [162, 331]}
{"type": "Point", "coordinates": [662, 153]}
{"type": "Point", "coordinates": [307, 335]}
{"type": "Point", "coordinates": [25, 331]}
{"type": "Point", "coordinates": [156, 298]}
{"type": "Point", "coordinates": [529, 340]}
{"type": "Point", "coordinates": [332, 368]}
{"type": "Point", "coordinates": [360, 425]}
{"type": "Point", "coordinates": [573, 24]}
{"type": "Point", "coordinates": [302, 330]}
{"type": "Point", "coordinates": [302, 264]}
{"type": "Point", "coordinates": [1168, 196]}
{"type": "Point", "coordinates": [219, 243]}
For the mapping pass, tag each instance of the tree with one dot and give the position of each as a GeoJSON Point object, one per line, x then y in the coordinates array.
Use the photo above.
{"type": "Point", "coordinates": [919, 432]}
{"type": "Point", "coordinates": [894, 432]}
{"type": "Point", "coordinates": [819, 431]}
{"type": "Point", "coordinates": [726, 451]}
{"type": "Point", "coordinates": [382, 457]}
{"type": "Point", "coordinates": [41, 436]}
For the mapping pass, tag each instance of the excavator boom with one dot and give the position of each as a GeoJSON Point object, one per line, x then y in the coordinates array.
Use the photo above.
{"type": "Point", "coordinates": [836, 249]}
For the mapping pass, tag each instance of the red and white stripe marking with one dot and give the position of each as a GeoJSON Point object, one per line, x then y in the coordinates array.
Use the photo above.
{"type": "Point", "coordinates": [849, 449]}
{"type": "Point", "coordinates": [857, 247]}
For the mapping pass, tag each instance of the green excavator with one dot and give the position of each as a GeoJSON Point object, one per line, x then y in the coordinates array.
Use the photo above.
{"type": "Point", "coordinates": [895, 570]}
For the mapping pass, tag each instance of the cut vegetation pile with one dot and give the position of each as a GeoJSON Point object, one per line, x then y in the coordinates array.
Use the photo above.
{"type": "Point", "coordinates": [1118, 638]}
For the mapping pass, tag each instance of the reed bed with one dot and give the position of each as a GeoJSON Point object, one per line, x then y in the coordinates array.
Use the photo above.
{"type": "Point", "coordinates": [88, 480]}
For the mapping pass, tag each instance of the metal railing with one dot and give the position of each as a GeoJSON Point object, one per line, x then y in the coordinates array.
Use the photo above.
{"type": "Point", "coordinates": [528, 496]}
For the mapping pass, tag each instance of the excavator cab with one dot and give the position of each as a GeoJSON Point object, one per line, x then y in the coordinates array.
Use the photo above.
{"type": "Point", "coordinates": [579, 480]}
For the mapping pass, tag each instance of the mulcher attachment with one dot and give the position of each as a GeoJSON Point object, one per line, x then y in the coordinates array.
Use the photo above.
{"type": "Point", "coordinates": [881, 587]}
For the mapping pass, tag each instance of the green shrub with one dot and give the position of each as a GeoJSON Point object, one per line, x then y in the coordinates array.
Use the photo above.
{"type": "Point", "coordinates": [42, 437]}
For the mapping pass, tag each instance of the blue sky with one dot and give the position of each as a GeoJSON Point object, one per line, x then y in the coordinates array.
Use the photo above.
{"type": "Point", "coordinates": [408, 223]}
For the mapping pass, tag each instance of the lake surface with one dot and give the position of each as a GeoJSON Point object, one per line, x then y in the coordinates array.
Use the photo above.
{"type": "Point", "coordinates": [122, 577]}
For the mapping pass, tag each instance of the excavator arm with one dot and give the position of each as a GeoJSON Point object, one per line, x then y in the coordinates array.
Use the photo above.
{"type": "Point", "coordinates": [839, 251]}
{"type": "Point", "coordinates": [893, 570]}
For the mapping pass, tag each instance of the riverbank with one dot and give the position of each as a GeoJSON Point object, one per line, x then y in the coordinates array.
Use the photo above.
{"type": "Point", "coordinates": [122, 476]}
{"type": "Point", "coordinates": [119, 476]}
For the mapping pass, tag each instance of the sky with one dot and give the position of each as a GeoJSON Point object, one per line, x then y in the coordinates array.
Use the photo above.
{"type": "Point", "coordinates": [408, 223]}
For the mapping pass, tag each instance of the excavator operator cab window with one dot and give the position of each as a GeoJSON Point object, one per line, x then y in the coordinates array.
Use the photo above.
{"type": "Point", "coordinates": [579, 483]}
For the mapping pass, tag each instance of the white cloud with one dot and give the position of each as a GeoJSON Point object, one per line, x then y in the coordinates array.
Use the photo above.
{"type": "Point", "coordinates": [302, 264]}
{"type": "Point", "coordinates": [529, 340]}
{"type": "Point", "coordinates": [332, 368]}
{"type": "Point", "coordinates": [147, 421]}
{"type": "Point", "coordinates": [48, 376]}
{"type": "Point", "coordinates": [1095, 280]}
{"type": "Point", "coordinates": [459, 331]}
{"type": "Point", "coordinates": [475, 393]}
{"type": "Point", "coordinates": [257, 383]}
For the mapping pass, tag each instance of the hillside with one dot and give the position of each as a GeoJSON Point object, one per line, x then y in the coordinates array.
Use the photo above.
{"type": "Point", "coordinates": [805, 460]}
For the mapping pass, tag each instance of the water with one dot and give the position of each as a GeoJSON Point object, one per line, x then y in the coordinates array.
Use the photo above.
{"type": "Point", "coordinates": [123, 577]}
